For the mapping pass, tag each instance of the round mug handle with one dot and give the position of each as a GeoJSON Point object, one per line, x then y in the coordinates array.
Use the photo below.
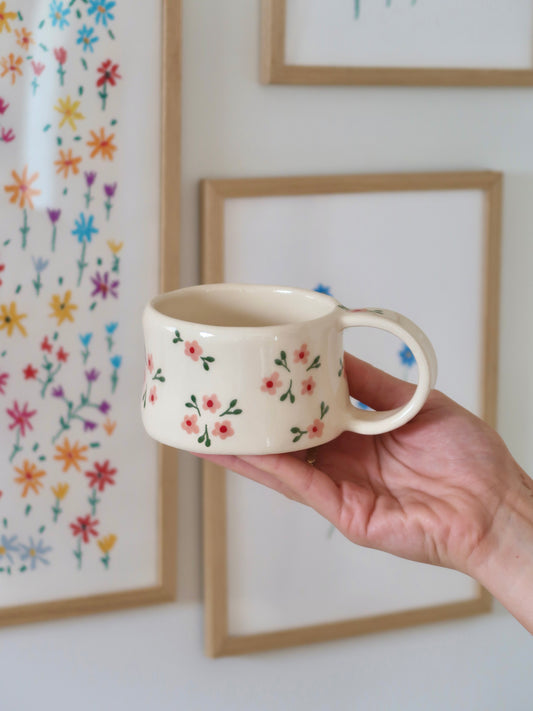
{"type": "Point", "coordinates": [368, 421]}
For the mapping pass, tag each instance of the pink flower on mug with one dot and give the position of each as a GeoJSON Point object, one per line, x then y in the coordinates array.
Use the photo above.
{"type": "Point", "coordinates": [193, 350]}
{"type": "Point", "coordinates": [271, 384]}
{"type": "Point", "coordinates": [150, 362]}
{"type": "Point", "coordinates": [152, 397]}
{"type": "Point", "coordinates": [308, 386]}
{"type": "Point", "coordinates": [315, 430]}
{"type": "Point", "coordinates": [211, 403]}
{"type": "Point", "coordinates": [301, 354]}
{"type": "Point", "coordinates": [189, 424]}
{"type": "Point", "coordinates": [223, 429]}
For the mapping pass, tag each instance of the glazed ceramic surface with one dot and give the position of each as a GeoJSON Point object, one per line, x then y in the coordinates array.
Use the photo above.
{"type": "Point", "coordinates": [252, 369]}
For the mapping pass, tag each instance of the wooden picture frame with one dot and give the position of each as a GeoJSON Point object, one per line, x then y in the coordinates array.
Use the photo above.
{"type": "Point", "coordinates": [275, 69]}
{"type": "Point", "coordinates": [215, 194]}
{"type": "Point", "coordinates": [167, 255]}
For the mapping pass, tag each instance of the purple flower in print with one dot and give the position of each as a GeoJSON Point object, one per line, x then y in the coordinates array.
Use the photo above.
{"type": "Point", "coordinates": [89, 426]}
{"type": "Point", "coordinates": [90, 178]}
{"type": "Point", "coordinates": [92, 375]}
{"type": "Point", "coordinates": [103, 286]}
{"type": "Point", "coordinates": [58, 392]}
{"type": "Point", "coordinates": [54, 215]}
{"type": "Point", "coordinates": [110, 190]}
{"type": "Point", "coordinates": [104, 407]}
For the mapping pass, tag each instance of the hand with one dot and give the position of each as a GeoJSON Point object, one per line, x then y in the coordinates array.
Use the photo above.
{"type": "Point", "coordinates": [441, 489]}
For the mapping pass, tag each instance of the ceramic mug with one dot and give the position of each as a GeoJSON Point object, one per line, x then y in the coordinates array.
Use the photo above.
{"type": "Point", "coordinates": [253, 369]}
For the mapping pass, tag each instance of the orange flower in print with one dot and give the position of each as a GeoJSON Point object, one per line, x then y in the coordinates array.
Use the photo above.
{"type": "Point", "coordinates": [71, 456]}
{"type": "Point", "coordinates": [109, 426]}
{"type": "Point", "coordinates": [10, 319]}
{"type": "Point", "coordinates": [67, 162]}
{"type": "Point", "coordinates": [24, 38]}
{"type": "Point", "coordinates": [29, 477]}
{"type": "Point", "coordinates": [62, 309]}
{"type": "Point", "coordinates": [21, 190]}
{"type": "Point", "coordinates": [102, 144]}
{"type": "Point", "coordinates": [5, 16]}
{"type": "Point", "coordinates": [69, 111]}
{"type": "Point", "coordinates": [11, 65]}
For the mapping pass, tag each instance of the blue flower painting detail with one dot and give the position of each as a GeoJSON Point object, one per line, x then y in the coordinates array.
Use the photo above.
{"type": "Point", "coordinates": [322, 289]}
{"type": "Point", "coordinates": [87, 38]}
{"type": "Point", "coordinates": [8, 546]}
{"type": "Point", "coordinates": [101, 9]}
{"type": "Point", "coordinates": [34, 552]}
{"type": "Point", "coordinates": [58, 14]}
{"type": "Point", "coordinates": [84, 228]}
{"type": "Point", "coordinates": [406, 356]}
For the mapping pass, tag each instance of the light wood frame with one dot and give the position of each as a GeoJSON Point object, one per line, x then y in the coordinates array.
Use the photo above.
{"type": "Point", "coordinates": [214, 193]}
{"type": "Point", "coordinates": [165, 589]}
{"type": "Point", "coordinates": [274, 70]}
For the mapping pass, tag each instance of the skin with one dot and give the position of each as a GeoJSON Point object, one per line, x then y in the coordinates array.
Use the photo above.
{"type": "Point", "coordinates": [443, 489]}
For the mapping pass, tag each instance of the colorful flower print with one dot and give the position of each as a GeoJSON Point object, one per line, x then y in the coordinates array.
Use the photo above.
{"type": "Point", "coordinates": [152, 397]}
{"type": "Point", "coordinates": [308, 386]}
{"type": "Point", "coordinates": [8, 546]}
{"type": "Point", "coordinates": [211, 403]}
{"type": "Point", "coordinates": [20, 418]}
{"type": "Point", "coordinates": [189, 424]}
{"type": "Point", "coordinates": [5, 17]}
{"type": "Point", "coordinates": [59, 491]}
{"type": "Point", "coordinates": [29, 477]}
{"type": "Point", "coordinates": [4, 377]}
{"type": "Point", "coordinates": [3, 106]}
{"type": "Point", "coordinates": [11, 65]}
{"type": "Point", "coordinates": [10, 319]}
{"type": "Point", "coordinates": [106, 544]}
{"type": "Point", "coordinates": [101, 476]}
{"type": "Point", "coordinates": [87, 38]}
{"type": "Point", "coordinates": [58, 14]}
{"type": "Point", "coordinates": [60, 53]}
{"type": "Point", "coordinates": [85, 527]}
{"type": "Point", "coordinates": [58, 392]}
{"type": "Point", "coordinates": [223, 429]}
{"type": "Point", "coordinates": [54, 215]}
{"type": "Point", "coordinates": [92, 375]}
{"type": "Point", "coordinates": [29, 372]}
{"type": "Point", "coordinates": [62, 308]}
{"type": "Point", "coordinates": [34, 552]}
{"type": "Point", "coordinates": [69, 111]}
{"type": "Point", "coordinates": [67, 162]}
{"type": "Point", "coordinates": [38, 68]}
{"type": "Point", "coordinates": [109, 191]}
{"type": "Point", "coordinates": [22, 190]}
{"type": "Point", "coordinates": [406, 356]}
{"type": "Point", "coordinates": [102, 145]}
{"type": "Point", "coordinates": [103, 287]}
{"type": "Point", "coordinates": [7, 135]}
{"type": "Point", "coordinates": [101, 9]}
{"type": "Point", "coordinates": [109, 73]}
{"type": "Point", "coordinates": [271, 384]}
{"type": "Point", "coordinates": [62, 355]}
{"type": "Point", "coordinates": [301, 354]}
{"type": "Point", "coordinates": [193, 350]}
{"type": "Point", "coordinates": [46, 345]}
{"type": "Point", "coordinates": [24, 39]}
{"type": "Point", "coordinates": [150, 363]}
{"type": "Point", "coordinates": [315, 429]}
{"type": "Point", "coordinates": [109, 427]}
{"type": "Point", "coordinates": [71, 456]}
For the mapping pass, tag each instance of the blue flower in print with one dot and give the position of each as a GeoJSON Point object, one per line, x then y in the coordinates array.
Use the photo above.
{"type": "Point", "coordinates": [85, 338]}
{"type": "Point", "coordinates": [58, 14]}
{"type": "Point", "coordinates": [7, 547]}
{"type": "Point", "coordinates": [116, 361]}
{"type": "Point", "coordinates": [101, 9]}
{"type": "Point", "coordinates": [321, 289]}
{"type": "Point", "coordinates": [111, 327]}
{"type": "Point", "coordinates": [39, 264]}
{"type": "Point", "coordinates": [406, 356]}
{"type": "Point", "coordinates": [86, 38]}
{"type": "Point", "coordinates": [84, 228]}
{"type": "Point", "coordinates": [34, 552]}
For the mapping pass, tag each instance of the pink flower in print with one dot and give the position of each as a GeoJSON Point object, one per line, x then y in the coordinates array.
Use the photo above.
{"type": "Point", "coordinates": [315, 430]}
{"type": "Point", "coordinates": [3, 382]}
{"type": "Point", "coordinates": [7, 136]}
{"type": "Point", "coordinates": [271, 384]}
{"type": "Point", "coordinates": [150, 362]}
{"type": "Point", "coordinates": [301, 354]}
{"type": "Point", "coordinates": [211, 403]}
{"type": "Point", "coordinates": [20, 418]}
{"type": "Point", "coordinates": [308, 386]}
{"type": "Point", "coordinates": [189, 424]}
{"type": "Point", "coordinates": [193, 350]}
{"type": "Point", "coordinates": [223, 429]}
{"type": "Point", "coordinates": [38, 67]}
{"type": "Point", "coordinates": [152, 397]}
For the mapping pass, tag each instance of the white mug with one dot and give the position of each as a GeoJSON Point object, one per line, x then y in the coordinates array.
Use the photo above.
{"type": "Point", "coordinates": [254, 369]}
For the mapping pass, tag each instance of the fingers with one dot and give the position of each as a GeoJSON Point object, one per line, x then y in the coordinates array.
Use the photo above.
{"type": "Point", "coordinates": [374, 387]}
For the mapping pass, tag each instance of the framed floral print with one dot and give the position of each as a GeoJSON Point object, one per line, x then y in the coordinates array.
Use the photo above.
{"type": "Point", "coordinates": [89, 179]}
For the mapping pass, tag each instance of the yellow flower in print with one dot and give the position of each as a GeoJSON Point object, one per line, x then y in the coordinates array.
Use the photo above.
{"type": "Point", "coordinates": [71, 456]}
{"type": "Point", "coordinates": [29, 477]}
{"type": "Point", "coordinates": [5, 16]}
{"type": "Point", "coordinates": [62, 309]}
{"type": "Point", "coordinates": [115, 247]}
{"type": "Point", "coordinates": [10, 319]}
{"type": "Point", "coordinates": [107, 542]}
{"type": "Point", "coordinates": [11, 64]}
{"type": "Point", "coordinates": [21, 189]}
{"type": "Point", "coordinates": [60, 491]}
{"type": "Point", "coordinates": [69, 111]}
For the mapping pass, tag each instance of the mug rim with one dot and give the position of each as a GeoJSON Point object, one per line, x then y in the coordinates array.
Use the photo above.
{"type": "Point", "coordinates": [153, 312]}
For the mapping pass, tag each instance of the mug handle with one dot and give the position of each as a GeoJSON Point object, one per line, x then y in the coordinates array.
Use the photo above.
{"type": "Point", "coordinates": [370, 422]}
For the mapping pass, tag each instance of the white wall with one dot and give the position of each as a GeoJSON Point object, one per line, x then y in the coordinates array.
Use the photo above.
{"type": "Point", "coordinates": [233, 126]}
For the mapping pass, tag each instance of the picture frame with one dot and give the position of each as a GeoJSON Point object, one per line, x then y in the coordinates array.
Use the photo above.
{"type": "Point", "coordinates": [270, 230]}
{"type": "Point", "coordinates": [282, 63]}
{"type": "Point", "coordinates": [81, 53]}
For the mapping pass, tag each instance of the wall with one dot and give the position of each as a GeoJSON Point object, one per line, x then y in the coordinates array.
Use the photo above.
{"type": "Point", "coordinates": [232, 126]}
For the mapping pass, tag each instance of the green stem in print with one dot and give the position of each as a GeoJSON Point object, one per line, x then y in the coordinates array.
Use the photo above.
{"type": "Point", "coordinates": [357, 9]}
{"type": "Point", "coordinates": [105, 560]}
{"type": "Point", "coordinates": [54, 235]}
{"type": "Point", "coordinates": [103, 95]}
{"type": "Point", "coordinates": [115, 264]}
{"type": "Point", "coordinates": [114, 380]}
{"type": "Point", "coordinates": [16, 447]}
{"type": "Point", "coordinates": [94, 501]}
{"type": "Point", "coordinates": [108, 205]}
{"type": "Point", "coordinates": [177, 338]}
{"type": "Point", "coordinates": [35, 85]}
{"type": "Point", "coordinates": [61, 73]}
{"type": "Point", "coordinates": [230, 410]}
{"type": "Point", "coordinates": [282, 361]}
{"type": "Point", "coordinates": [81, 262]}
{"type": "Point", "coordinates": [51, 374]}
{"type": "Point", "coordinates": [288, 394]}
{"type": "Point", "coordinates": [341, 368]}
{"type": "Point", "coordinates": [206, 360]}
{"type": "Point", "coordinates": [205, 438]}
{"type": "Point", "coordinates": [56, 508]}
{"type": "Point", "coordinates": [315, 364]}
{"type": "Point", "coordinates": [24, 229]}
{"type": "Point", "coordinates": [324, 409]}
{"type": "Point", "coordinates": [73, 413]}
{"type": "Point", "coordinates": [194, 404]}
{"type": "Point", "coordinates": [298, 432]}
{"type": "Point", "coordinates": [88, 196]}
{"type": "Point", "coordinates": [158, 375]}
{"type": "Point", "coordinates": [37, 283]}
{"type": "Point", "coordinates": [77, 552]}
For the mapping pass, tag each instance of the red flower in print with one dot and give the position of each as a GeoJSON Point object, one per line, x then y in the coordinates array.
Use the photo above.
{"type": "Point", "coordinates": [271, 384]}
{"type": "Point", "coordinates": [84, 526]}
{"type": "Point", "coordinates": [38, 67]}
{"type": "Point", "coordinates": [46, 345]}
{"type": "Point", "coordinates": [308, 386]}
{"type": "Point", "coordinates": [62, 355]}
{"type": "Point", "coordinates": [2, 267]}
{"type": "Point", "coordinates": [211, 403]}
{"type": "Point", "coordinates": [189, 424]}
{"type": "Point", "coordinates": [150, 362]}
{"type": "Point", "coordinates": [315, 430]}
{"type": "Point", "coordinates": [101, 475]}
{"type": "Point", "coordinates": [60, 53]}
{"type": "Point", "coordinates": [193, 350]}
{"type": "Point", "coordinates": [301, 354]}
{"type": "Point", "coordinates": [109, 72]}
{"type": "Point", "coordinates": [152, 397]}
{"type": "Point", "coordinates": [29, 372]}
{"type": "Point", "coordinates": [3, 382]}
{"type": "Point", "coordinates": [20, 418]}
{"type": "Point", "coordinates": [223, 429]}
